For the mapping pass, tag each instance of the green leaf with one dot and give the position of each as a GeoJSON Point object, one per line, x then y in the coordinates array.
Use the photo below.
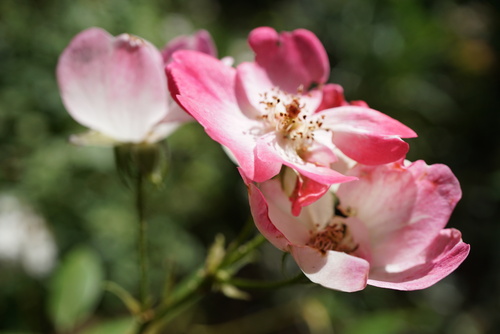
{"type": "Point", "coordinates": [115, 326]}
{"type": "Point", "coordinates": [76, 288]}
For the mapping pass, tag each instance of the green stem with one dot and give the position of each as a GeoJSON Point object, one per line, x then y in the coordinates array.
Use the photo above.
{"type": "Point", "coordinates": [243, 250]}
{"type": "Point", "coordinates": [185, 295]}
{"type": "Point", "coordinates": [142, 244]}
{"type": "Point", "coordinates": [192, 289]}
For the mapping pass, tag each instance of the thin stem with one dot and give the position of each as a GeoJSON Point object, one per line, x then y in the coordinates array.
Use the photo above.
{"type": "Point", "coordinates": [142, 243]}
{"type": "Point", "coordinates": [244, 250]}
{"type": "Point", "coordinates": [185, 295]}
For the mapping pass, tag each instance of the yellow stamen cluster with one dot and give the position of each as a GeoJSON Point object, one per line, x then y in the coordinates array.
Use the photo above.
{"type": "Point", "coordinates": [285, 114]}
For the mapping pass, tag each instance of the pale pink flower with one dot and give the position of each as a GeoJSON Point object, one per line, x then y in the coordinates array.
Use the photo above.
{"type": "Point", "coordinates": [114, 85]}
{"type": "Point", "coordinates": [266, 112]}
{"type": "Point", "coordinates": [386, 231]}
{"type": "Point", "coordinates": [117, 87]}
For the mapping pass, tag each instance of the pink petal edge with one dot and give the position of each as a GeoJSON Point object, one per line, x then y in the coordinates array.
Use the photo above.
{"type": "Point", "coordinates": [440, 259]}
{"type": "Point", "coordinates": [333, 270]}
{"type": "Point", "coordinates": [260, 213]}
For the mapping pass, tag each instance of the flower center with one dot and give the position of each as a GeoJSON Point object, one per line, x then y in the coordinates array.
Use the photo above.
{"type": "Point", "coordinates": [335, 236]}
{"type": "Point", "coordinates": [285, 114]}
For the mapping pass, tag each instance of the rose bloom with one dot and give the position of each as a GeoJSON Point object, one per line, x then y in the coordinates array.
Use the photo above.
{"type": "Point", "coordinates": [116, 86]}
{"type": "Point", "coordinates": [386, 229]}
{"type": "Point", "coordinates": [273, 112]}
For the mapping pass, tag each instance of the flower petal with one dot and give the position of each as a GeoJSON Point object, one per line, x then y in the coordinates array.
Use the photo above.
{"type": "Point", "coordinates": [200, 41]}
{"type": "Point", "coordinates": [251, 82]}
{"type": "Point", "coordinates": [260, 213]}
{"type": "Point", "coordinates": [270, 150]}
{"type": "Point", "coordinates": [254, 82]}
{"type": "Point", "coordinates": [358, 119]}
{"type": "Point", "coordinates": [366, 135]}
{"type": "Point", "coordinates": [205, 87]}
{"type": "Point", "coordinates": [371, 149]}
{"type": "Point", "coordinates": [333, 270]}
{"type": "Point", "coordinates": [306, 192]}
{"type": "Point", "coordinates": [333, 97]}
{"type": "Point", "coordinates": [291, 59]}
{"type": "Point", "coordinates": [295, 229]}
{"type": "Point", "coordinates": [115, 86]}
{"type": "Point", "coordinates": [443, 256]}
{"type": "Point", "coordinates": [404, 208]}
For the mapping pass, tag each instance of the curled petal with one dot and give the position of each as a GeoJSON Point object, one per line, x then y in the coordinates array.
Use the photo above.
{"type": "Point", "coordinates": [443, 256]}
{"type": "Point", "coordinates": [295, 229]}
{"type": "Point", "coordinates": [115, 86]}
{"type": "Point", "coordinates": [333, 270]}
{"type": "Point", "coordinates": [290, 58]}
{"type": "Point", "coordinates": [260, 213]}
{"type": "Point", "coordinates": [306, 192]}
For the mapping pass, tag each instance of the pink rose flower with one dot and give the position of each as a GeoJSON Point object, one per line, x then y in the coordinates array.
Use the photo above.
{"type": "Point", "coordinates": [387, 230]}
{"type": "Point", "coordinates": [266, 112]}
{"type": "Point", "coordinates": [117, 87]}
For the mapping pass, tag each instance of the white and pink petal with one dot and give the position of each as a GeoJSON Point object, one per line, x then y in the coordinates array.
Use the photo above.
{"type": "Point", "coordinates": [404, 207]}
{"type": "Point", "coordinates": [331, 269]}
{"type": "Point", "coordinates": [113, 85]}
{"type": "Point", "coordinates": [260, 213]}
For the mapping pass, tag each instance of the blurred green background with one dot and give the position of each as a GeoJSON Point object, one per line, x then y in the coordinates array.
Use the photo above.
{"type": "Point", "coordinates": [63, 211]}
